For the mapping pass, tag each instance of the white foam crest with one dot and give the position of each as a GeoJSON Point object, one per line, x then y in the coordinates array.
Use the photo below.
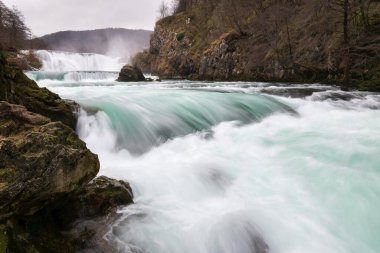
{"type": "Point", "coordinates": [302, 183]}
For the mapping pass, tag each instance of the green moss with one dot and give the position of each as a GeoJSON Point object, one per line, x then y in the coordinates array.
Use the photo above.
{"type": "Point", "coordinates": [2, 57]}
{"type": "Point", "coordinates": [33, 60]}
{"type": "Point", "coordinates": [372, 82]}
{"type": "Point", "coordinates": [371, 85]}
{"type": "Point", "coordinates": [180, 36]}
{"type": "Point", "coordinates": [3, 239]}
{"type": "Point", "coordinates": [6, 176]}
{"type": "Point", "coordinates": [41, 94]}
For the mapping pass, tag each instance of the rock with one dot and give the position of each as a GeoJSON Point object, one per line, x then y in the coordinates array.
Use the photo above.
{"type": "Point", "coordinates": [130, 73]}
{"type": "Point", "coordinates": [17, 88]}
{"type": "Point", "coordinates": [40, 162]}
{"type": "Point", "coordinates": [100, 197]}
{"type": "Point", "coordinates": [92, 210]}
{"type": "Point", "coordinates": [47, 203]}
{"type": "Point", "coordinates": [3, 239]}
{"type": "Point", "coordinates": [79, 226]}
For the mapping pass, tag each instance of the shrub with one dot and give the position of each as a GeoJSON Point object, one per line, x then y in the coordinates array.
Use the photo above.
{"type": "Point", "coordinates": [180, 36]}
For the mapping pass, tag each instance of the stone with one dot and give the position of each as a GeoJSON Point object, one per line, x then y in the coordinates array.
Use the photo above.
{"type": "Point", "coordinates": [99, 198]}
{"type": "Point", "coordinates": [91, 211]}
{"type": "Point", "coordinates": [80, 225]}
{"type": "Point", "coordinates": [48, 203]}
{"type": "Point", "coordinates": [130, 73]}
{"type": "Point", "coordinates": [40, 162]}
{"type": "Point", "coordinates": [17, 88]}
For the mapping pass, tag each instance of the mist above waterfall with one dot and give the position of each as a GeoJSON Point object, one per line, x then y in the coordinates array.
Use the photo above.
{"type": "Point", "coordinates": [114, 42]}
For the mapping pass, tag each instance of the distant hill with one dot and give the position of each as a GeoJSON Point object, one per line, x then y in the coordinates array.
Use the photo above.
{"type": "Point", "coordinates": [111, 41]}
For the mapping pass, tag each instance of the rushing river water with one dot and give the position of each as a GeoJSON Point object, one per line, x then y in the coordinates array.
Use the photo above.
{"type": "Point", "coordinates": [232, 167]}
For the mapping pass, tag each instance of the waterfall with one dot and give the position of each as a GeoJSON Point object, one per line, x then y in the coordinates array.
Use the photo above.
{"type": "Point", "coordinates": [63, 62]}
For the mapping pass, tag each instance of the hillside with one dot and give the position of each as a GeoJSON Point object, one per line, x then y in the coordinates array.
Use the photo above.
{"type": "Point", "coordinates": [111, 41]}
{"type": "Point", "coordinates": [294, 41]}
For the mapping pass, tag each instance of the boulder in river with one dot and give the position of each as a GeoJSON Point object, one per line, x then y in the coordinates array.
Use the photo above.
{"type": "Point", "coordinates": [130, 73]}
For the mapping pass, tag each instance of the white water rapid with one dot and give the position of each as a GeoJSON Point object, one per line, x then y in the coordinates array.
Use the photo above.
{"type": "Point", "coordinates": [229, 168]}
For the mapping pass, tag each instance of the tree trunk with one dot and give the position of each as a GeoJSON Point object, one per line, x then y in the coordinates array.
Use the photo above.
{"type": "Point", "coordinates": [346, 78]}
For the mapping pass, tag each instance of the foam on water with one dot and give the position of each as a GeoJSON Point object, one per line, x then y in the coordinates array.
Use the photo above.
{"type": "Point", "coordinates": [72, 76]}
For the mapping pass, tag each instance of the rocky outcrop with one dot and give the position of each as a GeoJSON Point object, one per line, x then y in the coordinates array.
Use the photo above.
{"type": "Point", "coordinates": [79, 226]}
{"type": "Point", "coordinates": [288, 41]}
{"type": "Point", "coordinates": [16, 88]}
{"type": "Point", "coordinates": [99, 198]}
{"type": "Point", "coordinates": [92, 210]}
{"type": "Point", "coordinates": [50, 201]}
{"type": "Point", "coordinates": [40, 160]}
{"type": "Point", "coordinates": [130, 73]}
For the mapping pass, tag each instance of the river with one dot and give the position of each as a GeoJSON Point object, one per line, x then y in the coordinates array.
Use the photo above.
{"type": "Point", "coordinates": [229, 167]}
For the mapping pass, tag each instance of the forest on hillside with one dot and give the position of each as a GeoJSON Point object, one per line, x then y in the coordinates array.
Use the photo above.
{"type": "Point", "coordinates": [336, 41]}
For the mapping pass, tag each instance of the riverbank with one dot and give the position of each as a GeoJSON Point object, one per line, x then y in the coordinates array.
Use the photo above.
{"type": "Point", "coordinates": [294, 42]}
{"type": "Point", "coordinates": [47, 173]}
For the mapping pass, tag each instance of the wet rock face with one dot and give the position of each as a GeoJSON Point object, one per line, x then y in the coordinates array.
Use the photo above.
{"type": "Point", "coordinates": [40, 162]}
{"type": "Point", "coordinates": [49, 199]}
{"type": "Point", "coordinates": [99, 198]}
{"type": "Point", "coordinates": [130, 73]}
{"type": "Point", "coordinates": [17, 88]}
{"type": "Point", "coordinates": [79, 226]}
{"type": "Point", "coordinates": [91, 211]}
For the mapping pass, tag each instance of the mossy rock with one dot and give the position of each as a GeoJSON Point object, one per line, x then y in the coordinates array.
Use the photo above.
{"type": "Point", "coordinates": [17, 88]}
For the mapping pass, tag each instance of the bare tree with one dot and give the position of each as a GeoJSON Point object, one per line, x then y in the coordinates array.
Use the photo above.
{"type": "Point", "coordinates": [13, 31]}
{"type": "Point", "coordinates": [163, 10]}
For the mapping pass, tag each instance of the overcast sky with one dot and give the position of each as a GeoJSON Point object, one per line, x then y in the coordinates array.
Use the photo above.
{"type": "Point", "coordinates": [48, 16]}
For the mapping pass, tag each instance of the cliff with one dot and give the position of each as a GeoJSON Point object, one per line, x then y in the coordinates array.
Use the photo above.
{"type": "Point", "coordinates": [290, 41]}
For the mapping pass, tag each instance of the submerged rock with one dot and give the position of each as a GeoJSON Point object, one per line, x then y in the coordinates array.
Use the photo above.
{"type": "Point", "coordinates": [130, 73]}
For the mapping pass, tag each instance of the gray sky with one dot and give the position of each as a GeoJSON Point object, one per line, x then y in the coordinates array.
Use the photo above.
{"type": "Point", "coordinates": [48, 16]}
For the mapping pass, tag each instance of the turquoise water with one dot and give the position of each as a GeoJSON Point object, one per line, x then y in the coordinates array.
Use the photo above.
{"type": "Point", "coordinates": [221, 167]}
